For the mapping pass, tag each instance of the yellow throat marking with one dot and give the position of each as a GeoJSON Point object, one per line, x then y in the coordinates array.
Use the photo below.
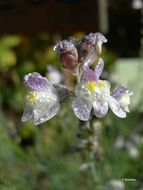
{"type": "Point", "coordinates": [31, 96]}
{"type": "Point", "coordinates": [91, 85]}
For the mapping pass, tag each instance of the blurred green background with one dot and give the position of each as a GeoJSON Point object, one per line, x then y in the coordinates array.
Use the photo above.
{"type": "Point", "coordinates": [46, 157]}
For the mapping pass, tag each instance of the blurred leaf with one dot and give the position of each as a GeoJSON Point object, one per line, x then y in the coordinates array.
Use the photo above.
{"type": "Point", "coordinates": [7, 58]}
{"type": "Point", "coordinates": [9, 41]}
{"type": "Point", "coordinates": [26, 67]}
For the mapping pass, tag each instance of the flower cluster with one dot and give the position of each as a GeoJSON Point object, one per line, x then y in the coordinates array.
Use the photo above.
{"type": "Point", "coordinates": [93, 95]}
{"type": "Point", "coordinates": [83, 51]}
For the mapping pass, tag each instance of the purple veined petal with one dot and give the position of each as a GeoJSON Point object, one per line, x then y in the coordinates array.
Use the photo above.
{"type": "Point", "coordinates": [27, 114]}
{"type": "Point", "coordinates": [45, 113]}
{"type": "Point", "coordinates": [99, 68]}
{"type": "Point", "coordinates": [93, 38]}
{"type": "Point", "coordinates": [119, 91]}
{"type": "Point", "coordinates": [82, 109]}
{"type": "Point", "coordinates": [88, 74]}
{"type": "Point", "coordinates": [100, 108]}
{"type": "Point", "coordinates": [89, 39]}
{"type": "Point", "coordinates": [35, 82]}
{"type": "Point", "coordinates": [64, 46]}
{"type": "Point", "coordinates": [115, 107]}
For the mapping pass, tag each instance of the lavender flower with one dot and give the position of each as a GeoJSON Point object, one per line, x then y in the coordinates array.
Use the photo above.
{"type": "Point", "coordinates": [95, 94]}
{"type": "Point", "coordinates": [41, 99]}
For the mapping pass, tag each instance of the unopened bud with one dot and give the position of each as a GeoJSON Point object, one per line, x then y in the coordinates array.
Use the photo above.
{"type": "Point", "coordinates": [68, 54]}
{"type": "Point", "coordinates": [69, 60]}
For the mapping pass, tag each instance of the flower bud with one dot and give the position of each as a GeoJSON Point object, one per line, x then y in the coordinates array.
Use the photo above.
{"type": "Point", "coordinates": [93, 40]}
{"type": "Point", "coordinates": [88, 42]}
{"type": "Point", "coordinates": [68, 60]}
{"type": "Point", "coordinates": [68, 54]}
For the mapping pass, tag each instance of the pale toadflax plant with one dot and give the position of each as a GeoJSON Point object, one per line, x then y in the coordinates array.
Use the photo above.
{"type": "Point", "coordinates": [92, 94]}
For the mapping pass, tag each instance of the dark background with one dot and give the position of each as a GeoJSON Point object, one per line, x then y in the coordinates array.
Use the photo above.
{"type": "Point", "coordinates": [30, 17]}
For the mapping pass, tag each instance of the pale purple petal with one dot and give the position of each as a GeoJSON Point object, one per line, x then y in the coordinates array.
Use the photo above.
{"type": "Point", "coordinates": [88, 74]}
{"type": "Point", "coordinates": [100, 108]}
{"type": "Point", "coordinates": [99, 68]}
{"type": "Point", "coordinates": [115, 107]}
{"type": "Point", "coordinates": [94, 38]}
{"type": "Point", "coordinates": [27, 114]}
{"type": "Point", "coordinates": [64, 46]}
{"type": "Point", "coordinates": [82, 109]}
{"type": "Point", "coordinates": [45, 113]}
{"type": "Point", "coordinates": [89, 39]}
{"type": "Point", "coordinates": [119, 91]}
{"type": "Point", "coordinates": [35, 82]}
